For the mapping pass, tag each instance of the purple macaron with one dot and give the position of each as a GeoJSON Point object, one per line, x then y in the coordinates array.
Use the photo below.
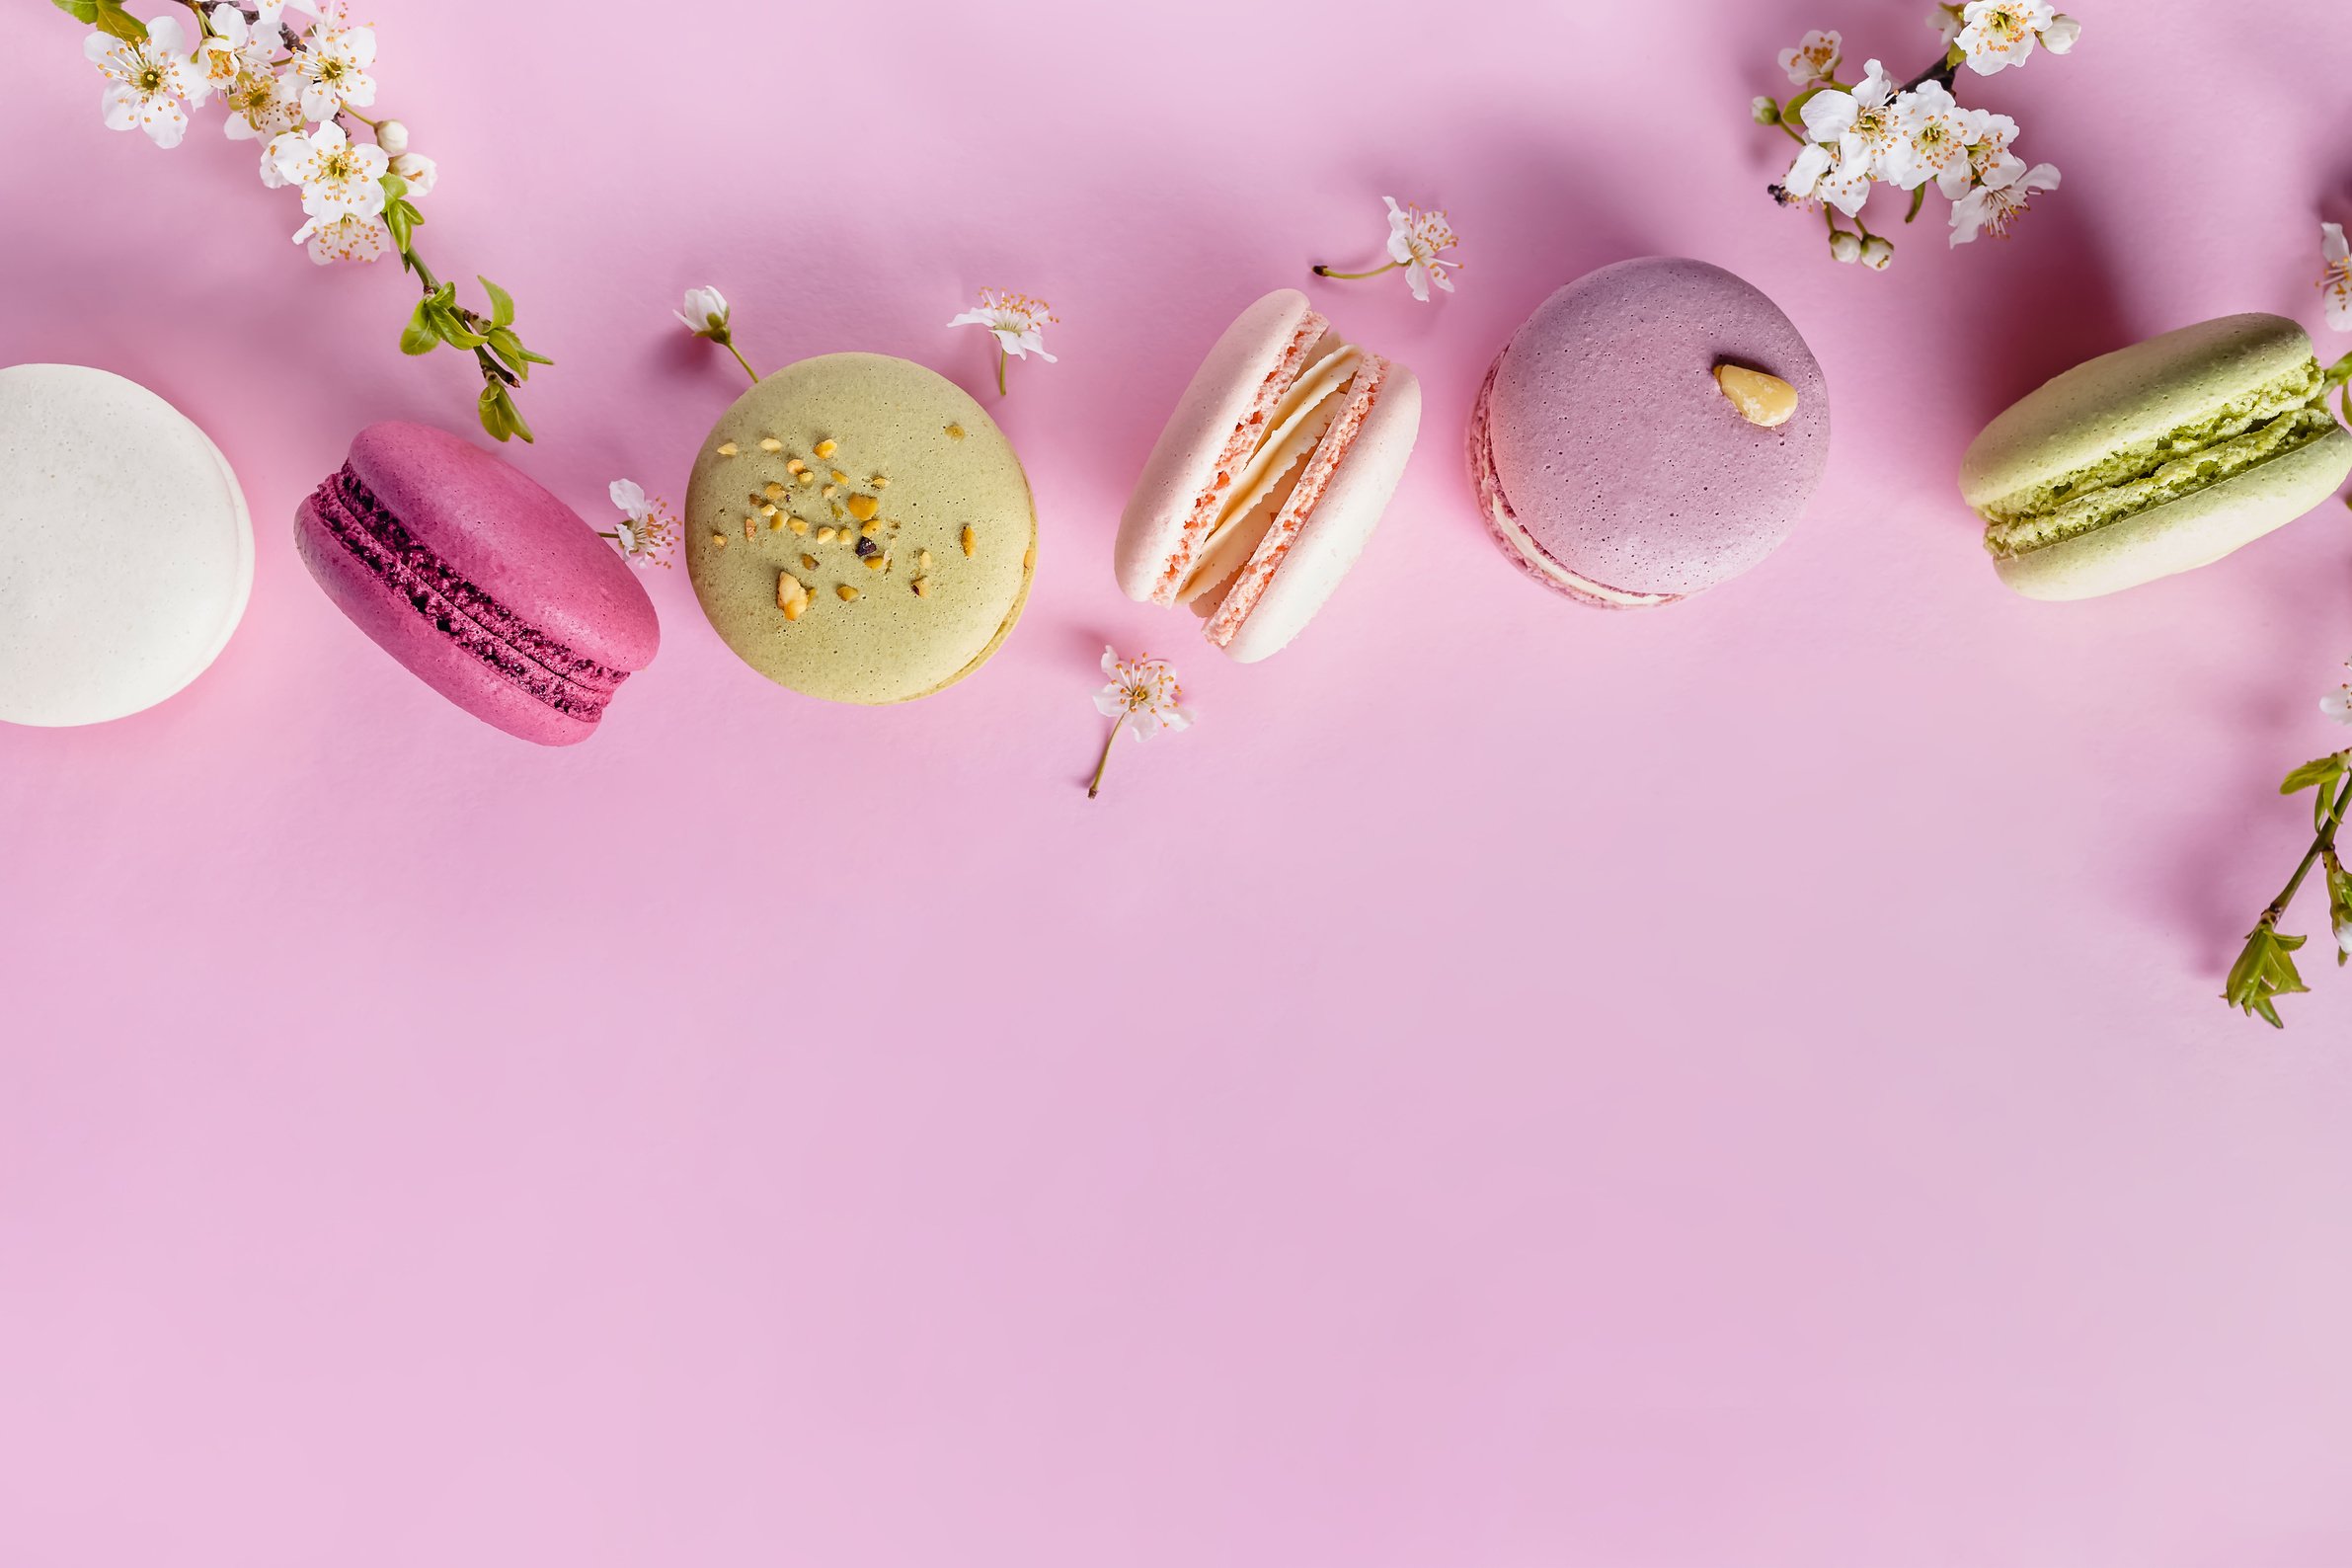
{"type": "Point", "coordinates": [487, 588]}
{"type": "Point", "coordinates": [1611, 462]}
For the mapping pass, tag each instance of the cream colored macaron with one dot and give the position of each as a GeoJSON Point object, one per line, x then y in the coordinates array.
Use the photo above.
{"type": "Point", "coordinates": [858, 530]}
{"type": "Point", "coordinates": [2157, 458]}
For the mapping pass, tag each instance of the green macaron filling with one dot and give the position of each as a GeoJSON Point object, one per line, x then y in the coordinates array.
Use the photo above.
{"type": "Point", "coordinates": [2248, 430]}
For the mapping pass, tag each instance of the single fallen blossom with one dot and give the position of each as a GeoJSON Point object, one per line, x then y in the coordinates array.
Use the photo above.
{"type": "Point", "coordinates": [1416, 241]}
{"type": "Point", "coordinates": [2335, 278]}
{"type": "Point", "coordinates": [706, 314]}
{"type": "Point", "coordinates": [1142, 698]}
{"type": "Point", "coordinates": [1016, 321]}
{"type": "Point", "coordinates": [647, 530]}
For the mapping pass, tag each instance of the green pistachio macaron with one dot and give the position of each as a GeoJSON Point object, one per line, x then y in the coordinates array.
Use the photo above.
{"type": "Point", "coordinates": [2157, 458]}
{"type": "Point", "coordinates": [858, 530]}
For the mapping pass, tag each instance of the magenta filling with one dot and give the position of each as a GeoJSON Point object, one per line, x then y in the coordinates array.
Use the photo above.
{"type": "Point", "coordinates": [490, 633]}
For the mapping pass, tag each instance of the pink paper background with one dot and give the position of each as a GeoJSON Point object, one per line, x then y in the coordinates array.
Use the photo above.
{"type": "Point", "coordinates": [1512, 1086]}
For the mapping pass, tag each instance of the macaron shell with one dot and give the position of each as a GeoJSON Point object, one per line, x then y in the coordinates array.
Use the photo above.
{"type": "Point", "coordinates": [890, 418]}
{"type": "Point", "coordinates": [2181, 535]}
{"type": "Point", "coordinates": [125, 547]}
{"type": "Point", "coordinates": [1618, 453]}
{"type": "Point", "coordinates": [420, 646]}
{"type": "Point", "coordinates": [2134, 395]}
{"type": "Point", "coordinates": [1343, 521]}
{"type": "Point", "coordinates": [510, 538]}
{"type": "Point", "coordinates": [1184, 460]}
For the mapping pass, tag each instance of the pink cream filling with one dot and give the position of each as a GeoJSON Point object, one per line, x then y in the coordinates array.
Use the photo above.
{"type": "Point", "coordinates": [1230, 463]}
{"type": "Point", "coordinates": [1250, 582]}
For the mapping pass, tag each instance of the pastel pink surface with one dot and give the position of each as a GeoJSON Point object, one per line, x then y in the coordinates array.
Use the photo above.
{"type": "Point", "coordinates": [1602, 429]}
{"type": "Point", "coordinates": [556, 591]}
{"type": "Point", "coordinates": [1740, 1086]}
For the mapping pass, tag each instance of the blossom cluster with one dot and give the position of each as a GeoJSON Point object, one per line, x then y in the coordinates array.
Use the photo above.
{"type": "Point", "coordinates": [289, 73]}
{"type": "Point", "coordinates": [1856, 135]}
{"type": "Point", "coordinates": [285, 87]}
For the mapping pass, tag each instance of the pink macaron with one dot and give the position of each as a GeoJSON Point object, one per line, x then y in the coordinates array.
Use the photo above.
{"type": "Point", "coordinates": [487, 588]}
{"type": "Point", "coordinates": [1270, 477]}
{"type": "Point", "coordinates": [1616, 465]}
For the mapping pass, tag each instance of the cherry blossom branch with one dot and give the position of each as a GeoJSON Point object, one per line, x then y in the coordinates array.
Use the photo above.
{"type": "Point", "coordinates": [292, 92]}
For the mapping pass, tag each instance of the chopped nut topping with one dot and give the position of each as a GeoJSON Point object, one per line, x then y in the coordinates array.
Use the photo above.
{"type": "Point", "coordinates": [792, 596]}
{"type": "Point", "coordinates": [826, 448]}
{"type": "Point", "coordinates": [826, 536]}
{"type": "Point", "coordinates": [772, 490]}
{"type": "Point", "coordinates": [768, 443]}
{"type": "Point", "coordinates": [796, 466]}
{"type": "Point", "coordinates": [922, 588]}
{"type": "Point", "coordinates": [719, 539]}
{"type": "Point", "coordinates": [768, 508]}
{"type": "Point", "coordinates": [971, 539]}
{"type": "Point", "coordinates": [728, 449]}
{"type": "Point", "coordinates": [879, 483]}
{"type": "Point", "coordinates": [830, 491]}
{"type": "Point", "coordinates": [876, 560]}
{"type": "Point", "coordinates": [863, 508]}
{"type": "Point", "coordinates": [809, 562]}
{"type": "Point", "coordinates": [839, 478]}
{"type": "Point", "coordinates": [954, 433]}
{"type": "Point", "coordinates": [775, 521]}
{"type": "Point", "coordinates": [1762, 399]}
{"type": "Point", "coordinates": [923, 560]}
{"type": "Point", "coordinates": [807, 476]}
{"type": "Point", "coordinates": [845, 592]}
{"type": "Point", "coordinates": [748, 525]}
{"type": "Point", "coordinates": [796, 524]}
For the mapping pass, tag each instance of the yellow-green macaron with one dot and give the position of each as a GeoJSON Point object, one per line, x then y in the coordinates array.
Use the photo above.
{"type": "Point", "coordinates": [858, 530]}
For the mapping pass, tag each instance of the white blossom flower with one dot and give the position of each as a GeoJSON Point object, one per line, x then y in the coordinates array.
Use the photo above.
{"type": "Point", "coordinates": [332, 64]}
{"type": "Point", "coordinates": [147, 80]}
{"type": "Point", "coordinates": [705, 314]}
{"type": "Point", "coordinates": [1988, 140]}
{"type": "Point", "coordinates": [1997, 33]}
{"type": "Point", "coordinates": [645, 531]}
{"type": "Point", "coordinates": [233, 49]}
{"type": "Point", "coordinates": [1822, 173]}
{"type": "Point", "coordinates": [1995, 204]}
{"type": "Point", "coordinates": [2337, 705]}
{"type": "Point", "coordinates": [2335, 283]}
{"type": "Point", "coordinates": [348, 238]}
{"type": "Point", "coordinates": [1419, 241]}
{"type": "Point", "coordinates": [1945, 20]}
{"type": "Point", "coordinates": [1017, 322]}
{"type": "Point", "coordinates": [1142, 699]}
{"type": "Point", "coordinates": [421, 172]}
{"type": "Point", "coordinates": [1861, 123]}
{"type": "Point", "coordinates": [1814, 59]}
{"type": "Point", "coordinates": [1931, 133]}
{"type": "Point", "coordinates": [339, 178]}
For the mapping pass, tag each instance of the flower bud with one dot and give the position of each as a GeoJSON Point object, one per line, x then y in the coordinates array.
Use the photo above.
{"type": "Point", "coordinates": [418, 171]}
{"type": "Point", "coordinates": [393, 138]}
{"type": "Point", "coordinates": [1877, 251]}
{"type": "Point", "coordinates": [2059, 36]}
{"type": "Point", "coordinates": [1766, 111]}
{"type": "Point", "coordinates": [1846, 246]}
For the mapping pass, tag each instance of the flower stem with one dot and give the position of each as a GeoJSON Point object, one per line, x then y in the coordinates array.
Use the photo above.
{"type": "Point", "coordinates": [729, 344]}
{"type": "Point", "coordinates": [2323, 845]}
{"type": "Point", "coordinates": [1000, 357]}
{"type": "Point", "coordinates": [1325, 271]}
{"type": "Point", "coordinates": [1096, 788]}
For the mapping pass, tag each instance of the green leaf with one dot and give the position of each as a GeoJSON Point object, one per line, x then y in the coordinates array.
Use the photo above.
{"type": "Point", "coordinates": [85, 11]}
{"type": "Point", "coordinates": [502, 303]}
{"type": "Point", "coordinates": [420, 337]}
{"type": "Point", "coordinates": [2319, 773]}
{"type": "Point", "coordinates": [108, 17]}
{"type": "Point", "coordinates": [2264, 970]}
{"type": "Point", "coordinates": [394, 186]}
{"type": "Point", "coordinates": [452, 328]}
{"type": "Point", "coordinates": [499, 417]}
{"type": "Point", "coordinates": [2339, 906]}
{"type": "Point", "coordinates": [398, 223]}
